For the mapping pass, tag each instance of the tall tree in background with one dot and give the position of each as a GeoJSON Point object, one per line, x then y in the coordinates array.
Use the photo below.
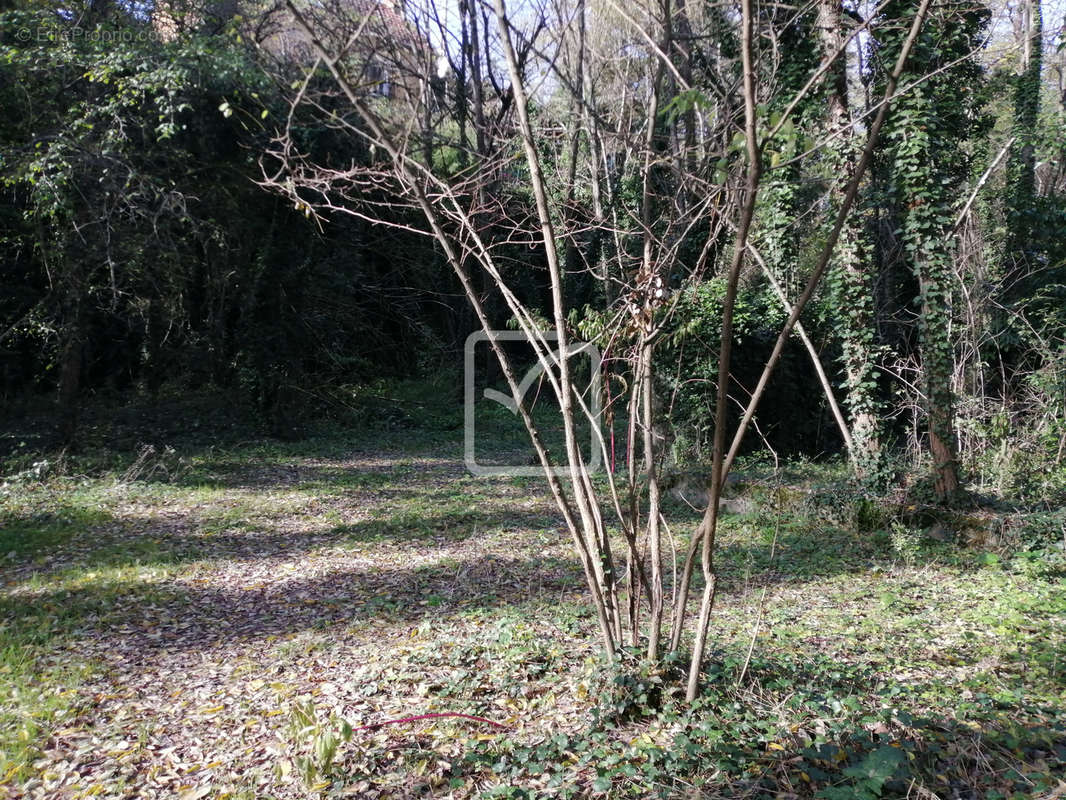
{"type": "Point", "coordinates": [852, 278]}
{"type": "Point", "coordinates": [1021, 167]}
{"type": "Point", "coordinates": [936, 118]}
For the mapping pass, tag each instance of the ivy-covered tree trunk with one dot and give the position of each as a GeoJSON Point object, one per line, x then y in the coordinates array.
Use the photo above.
{"type": "Point", "coordinates": [1021, 178]}
{"type": "Point", "coordinates": [927, 243]}
{"type": "Point", "coordinates": [931, 126]}
{"type": "Point", "coordinates": [850, 277]}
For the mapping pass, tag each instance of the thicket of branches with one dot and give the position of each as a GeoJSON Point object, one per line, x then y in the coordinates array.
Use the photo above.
{"type": "Point", "coordinates": [673, 165]}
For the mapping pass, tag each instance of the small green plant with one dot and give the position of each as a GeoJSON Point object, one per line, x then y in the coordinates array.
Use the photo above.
{"type": "Point", "coordinates": [34, 474]}
{"type": "Point", "coordinates": [869, 515]}
{"type": "Point", "coordinates": [840, 504]}
{"type": "Point", "coordinates": [635, 688]}
{"type": "Point", "coordinates": [317, 742]}
{"type": "Point", "coordinates": [1039, 531]}
{"type": "Point", "coordinates": [868, 778]}
{"type": "Point", "coordinates": [906, 542]}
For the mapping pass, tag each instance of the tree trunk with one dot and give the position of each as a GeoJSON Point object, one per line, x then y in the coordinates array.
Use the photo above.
{"type": "Point", "coordinates": [850, 271]}
{"type": "Point", "coordinates": [938, 362]}
{"type": "Point", "coordinates": [70, 369]}
{"type": "Point", "coordinates": [718, 467]}
{"type": "Point", "coordinates": [655, 621]}
{"type": "Point", "coordinates": [1021, 178]}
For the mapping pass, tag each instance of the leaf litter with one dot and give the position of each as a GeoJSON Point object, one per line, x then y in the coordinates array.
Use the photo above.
{"type": "Point", "coordinates": [245, 638]}
{"type": "Point", "coordinates": [261, 597]}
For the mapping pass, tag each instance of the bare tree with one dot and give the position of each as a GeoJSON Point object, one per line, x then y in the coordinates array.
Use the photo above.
{"type": "Point", "coordinates": [627, 114]}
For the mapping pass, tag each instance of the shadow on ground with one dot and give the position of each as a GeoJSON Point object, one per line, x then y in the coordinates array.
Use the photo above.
{"type": "Point", "coordinates": [134, 619]}
{"type": "Point", "coordinates": [77, 536]}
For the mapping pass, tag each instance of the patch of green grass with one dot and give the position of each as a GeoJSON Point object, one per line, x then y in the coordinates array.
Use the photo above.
{"type": "Point", "coordinates": [41, 664]}
{"type": "Point", "coordinates": [38, 532]}
{"type": "Point", "coordinates": [35, 697]}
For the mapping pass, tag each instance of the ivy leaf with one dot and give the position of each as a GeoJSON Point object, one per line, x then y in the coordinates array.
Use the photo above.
{"type": "Point", "coordinates": [877, 768]}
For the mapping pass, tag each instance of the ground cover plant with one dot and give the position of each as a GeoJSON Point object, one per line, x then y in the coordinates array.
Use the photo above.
{"type": "Point", "coordinates": [339, 617]}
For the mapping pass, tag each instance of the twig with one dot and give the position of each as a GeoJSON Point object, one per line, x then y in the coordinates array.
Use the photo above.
{"type": "Point", "coordinates": [373, 726]}
{"type": "Point", "coordinates": [981, 182]}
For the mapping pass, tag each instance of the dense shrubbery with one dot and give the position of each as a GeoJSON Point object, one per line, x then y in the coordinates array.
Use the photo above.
{"type": "Point", "coordinates": [138, 252]}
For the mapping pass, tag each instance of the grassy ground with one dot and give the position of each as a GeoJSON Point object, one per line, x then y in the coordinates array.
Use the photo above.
{"type": "Point", "coordinates": [223, 621]}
